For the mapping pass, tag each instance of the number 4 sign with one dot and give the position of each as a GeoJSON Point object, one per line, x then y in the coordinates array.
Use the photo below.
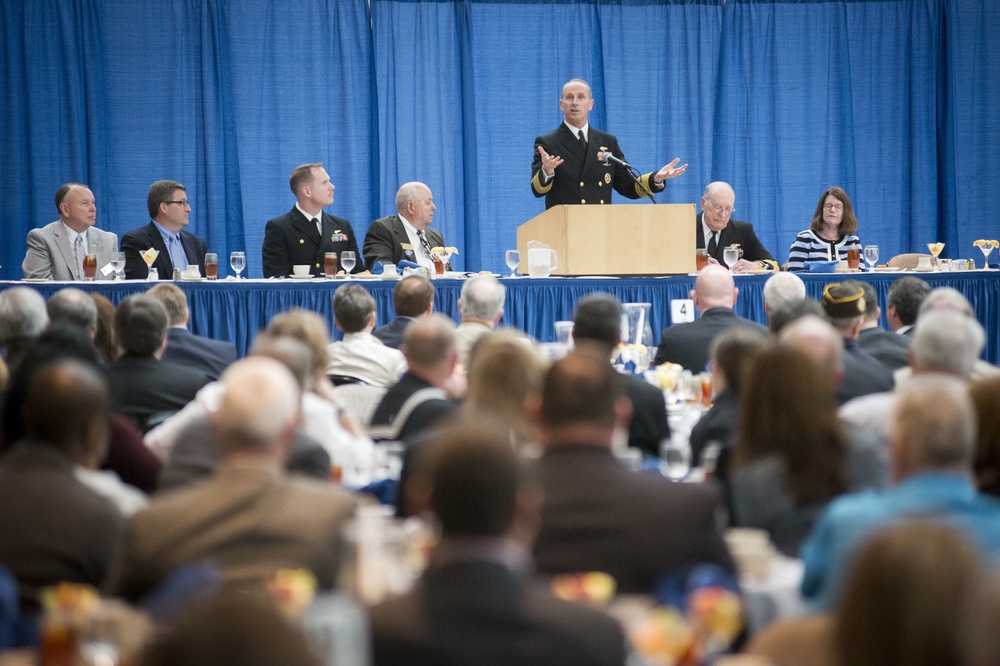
{"type": "Point", "coordinates": [681, 310]}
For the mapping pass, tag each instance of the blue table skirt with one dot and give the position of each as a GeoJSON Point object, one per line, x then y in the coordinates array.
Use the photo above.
{"type": "Point", "coordinates": [235, 311]}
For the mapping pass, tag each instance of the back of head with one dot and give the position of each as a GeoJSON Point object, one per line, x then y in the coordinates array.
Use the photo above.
{"type": "Point", "coordinates": [429, 342]}
{"type": "Point", "coordinates": [906, 295]}
{"type": "Point", "coordinates": [104, 338]}
{"type": "Point", "coordinates": [259, 408]}
{"type": "Point", "coordinates": [67, 406]}
{"type": "Point", "coordinates": [985, 395]}
{"type": "Point", "coordinates": [598, 320]}
{"type": "Point", "coordinates": [818, 339]}
{"type": "Point", "coordinates": [871, 299]}
{"type": "Point", "coordinates": [22, 314]}
{"type": "Point", "coordinates": [73, 306]}
{"type": "Point", "coordinates": [946, 298]}
{"type": "Point", "coordinates": [933, 426]}
{"type": "Point", "coordinates": [173, 299]}
{"type": "Point", "coordinates": [503, 371]}
{"type": "Point", "coordinates": [946, 341]}
{"type": "Point", "coordinates": [290, 352]}
{"type": "Point", "coordinates": [714, 287]}
{"type": "Point", "coordinates": [406, 193]}
{"type": "Point", "coordinates": [733, 350]}
{"type": "Point", "coordinates": [302, 175]}
{"type": "Point", "coordinates": [352, 307]}
{"type": "Point", "coordinates": [482, 298]}
{"type": "Point", "coordinates": [475, 477]}
{"type": "Point", "coordinates": [580, 389]}
{"type": "Point", "coordinates": [310, 329]}
{"type": "Point", "coordinates": [779, 318]}
{"type": "Point", "coordinates": [141, 325]}
{"type": "Point", "coordinates": [903, 598]}
{"type": "Point", "coordinates": [783, 289]}
{"type": "Point", "coordinates": [844, 305]}
{"type": "Point", "coordinates": [412, 296]}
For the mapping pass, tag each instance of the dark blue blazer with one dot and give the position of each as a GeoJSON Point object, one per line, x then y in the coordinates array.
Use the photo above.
{"type": "Point", "coordinates": [205, 354]}
{"type": "Point", "coordinates": [391, 334]}
{"type": "Point", "coordinates": [138, 240]}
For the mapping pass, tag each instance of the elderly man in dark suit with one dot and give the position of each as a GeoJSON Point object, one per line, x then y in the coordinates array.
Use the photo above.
{"type": "Point", "coordinates": [568, 166]}
{"type": "Point", "coordinates": [476, 603]}
{"type": "Point", "coordinates": [714, 295]}
{"type": "Point", "coordinates": [166, 233]}
{"type": "Point", "coordinates": [303, 236]}
{"type": "Point", "coordinates": [642, 529]}
{"type": "Point", "coordinates": [184, 347]}
{"type": "Point", "coordinates": [407, 235]}
{"type": "Point", "coordinates": [715, 224]}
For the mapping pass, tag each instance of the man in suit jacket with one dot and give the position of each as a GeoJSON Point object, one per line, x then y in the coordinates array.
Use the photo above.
{"type": "Point", "coordinates": [184, 347]}
{"type": "Point", "coordinates": [714, 223]}
{"type": "Point", "coordinates": [566, 168]}
{"type": "Point", "coordinates": [398, 237]}
{"type": "Point", "coordinates": [302, 236]}
{"type": "Point", "coordinates": [640, 528]}
{"type": "Point", "coordinates": [412, 296]}
{"type": "Point", "coordinates": [142, 385]}
{"type": "Point", "coordinates": [250, 519]}
{"type": "Point", "coordinates": [52, 253]}
{"type": "Point", "coordinates": [476, 603]}
{"type": "Point", "coordinates": [890, 349]}
{"type": "Point", "coordinates": [169, 209]}
{"type": "Point", "coordinates": [903, 302]}
{"type": "Point", "coordinates": [714, 295]}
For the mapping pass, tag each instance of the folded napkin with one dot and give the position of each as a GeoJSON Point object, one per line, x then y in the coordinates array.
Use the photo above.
{"type": "Point", "coordinates": [406, 264]}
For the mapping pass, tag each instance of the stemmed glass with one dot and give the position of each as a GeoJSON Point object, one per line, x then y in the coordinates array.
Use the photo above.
{"type": "Point", "coordinates": [238, 261]}
{"type": "Point", "coordinates": [935, 249]}
{"type": "Point", "coordinates": [348, 260]}
{"type": "Point", "coordinates": [986, 247]}
{"type": "Point", "coordinates": [118, 263]}
{"type": "Point", "coordinates": [149, 256]}
{"type": "Point", "coordinates": [731, 255]}
{"type": "Point", "coordinates": [871, 256]}
{"type": "Point", "coordinates": [513, 258]}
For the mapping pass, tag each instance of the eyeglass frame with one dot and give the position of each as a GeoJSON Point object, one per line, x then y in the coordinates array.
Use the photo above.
{"type": "Point", "coordinates": [833, 206]}
{"type": "Point", "coordinates": [716, 206]}
{"type": "Point", "coordinates": [182, 202]}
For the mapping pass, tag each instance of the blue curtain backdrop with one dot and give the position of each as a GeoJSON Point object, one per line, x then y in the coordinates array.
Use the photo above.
{"type": "Point", "coordinates": [894, 100]}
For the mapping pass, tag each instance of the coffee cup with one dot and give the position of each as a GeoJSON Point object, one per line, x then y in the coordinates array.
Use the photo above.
{"type": "Point", "coordinates": [924, 264]}
{"type": "Point", "coordinates": [192, 271]}
{"type": "Point", "coordinates": [300, 269]}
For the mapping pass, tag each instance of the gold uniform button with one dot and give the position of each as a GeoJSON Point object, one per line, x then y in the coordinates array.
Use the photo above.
{"type": "Point", "coordinates": [581, 184]}
{"type": "Point", "coordinates": [600, 184]}
{"type": "Point", "coordinates": [602, 201]}
{"type": "Point", "coordinates": [317, 265]}
{"type": "Point", "coordinates": [583, 201]}
{"type": "Point", "coordinates": [302, 241]}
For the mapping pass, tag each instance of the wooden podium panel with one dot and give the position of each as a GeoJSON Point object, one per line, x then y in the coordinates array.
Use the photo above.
{"type": "Point", "coordinates": [629, 239]}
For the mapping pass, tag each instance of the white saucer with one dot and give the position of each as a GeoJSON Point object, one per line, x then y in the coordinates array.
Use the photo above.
{"type": "Point", "coordinates": [923, 270]}
{"type": "Point", "coordinates": [302, 277]}
{"type": "Point", "coordinates": [888, 269]}
{"type": "Point", "coordinates": [191, 279]}
{"type": "Point", "coordinates": [35, 280]}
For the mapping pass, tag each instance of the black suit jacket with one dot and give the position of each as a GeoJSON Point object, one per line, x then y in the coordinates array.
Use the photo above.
{"type": "Point", "coordinates": [480, 612]}
{"type": "Point", "coordinates": [639, 527]}
{"type": "Point", "coordinates": [687, 344]}
{"type": "Point", "coordinates": [862, 374]}
{"type": "Point", "coordinates": [387, 237]}
{"type": "Point", "coordinates": [194, 351]}
{"type": "Point", "coordinates": [391, 334]}
{"type": "Point", "coordinates": [142, 386]}
{"type": "Point", "coordinates": [890, 349]}
{"type": "Point", "coordinates": [582, 178]}
{"type": "Point", "coordinates": [424, 416]}
{"type": "Point", "coordinates": [139, 240]}
{"type": "Point", "coordinates": [292, 240]}
{"type": "Point", "coordinates": [649, 415]}
{"type": "Point", "coordinates": [735, 232]}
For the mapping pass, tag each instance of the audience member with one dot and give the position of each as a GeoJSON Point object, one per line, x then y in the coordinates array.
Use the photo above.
{"type": "Point", "coordinates": [302, 236]}
{"type": "Point", "coordinates": [642, 529]}
{"type": "Point", "coordinates": [778, 318]}
{"type": "Point", "coordinates": [23, 317]}
{"type": "Point", "coordinates": [845, 308]}
{"type": "Point", "coordinates": [250, 518]}
{"type": "Point", "coordinates": [714, 295]}
{"type": "Point", "coordinates": [104, 338]}
{"type": "Point", "coordinates": [73, 306]}
{"type": "Point", "coordinates": [948, 298]}
{"type": "Point", "coordinates": [714, 224]}
{"type": "Point", "coordinates": [930, 448]}
{"type": "Point", "coordinates": [598, 322]}
{"type": "Point", "coordinates": [412, 296]}
{"type": "Point", "coordinates": [783, 290]}
{"type": "Point", "coordinates": [56, 251]}
{"type": "Point", "coordinates": [360, 356]}
{"type": "Point", "coordinates": [903, 303]}
{"type": "Point", "coordinates": [890, 349]}
{"type": "Point", "coordinates": [407, 235]}
{"type": "Point", "coordinates": [985, 395]}
{"type": "Point", "coordinates": [476, 604]}
{"type": "Point", "coordinates": [52, 527]}
{"type": "Point", "coordinates": [166, 233]}
{"type": "Point", "coordinates": [143, 387]}
{"type": "Point", "coordinates": [184, 347]}
{"type": "Point", "coordinates": [481, 308]}
{"type": "Point", "coordinates": [792, 454]}
{"type": "Point", "coordinates": [980, 640]}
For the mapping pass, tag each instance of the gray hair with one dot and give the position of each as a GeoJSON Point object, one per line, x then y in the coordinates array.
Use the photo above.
{"type": "Point", "coordinates": [407, 192]}
{"type": "Point", "coordinates": [482, 297]}
{"type": "Point", "coordinates": [783, 289]}
{"type": "Point", "coordinates": [936, 423]}
{"type": "Point", "coordinates": [717, 186]}
{"type": "Point", "coordinates": [22, 314]}
{"type": "Point", "coordinates": [74, 306]}
{"type": "Point", "coordinates": [946, 298]}
{"type": "Point", "coordinates": [947, 341]}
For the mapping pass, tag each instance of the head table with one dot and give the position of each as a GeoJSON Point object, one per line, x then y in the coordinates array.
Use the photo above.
{"type": "Point", "coordinates": [236, 310]}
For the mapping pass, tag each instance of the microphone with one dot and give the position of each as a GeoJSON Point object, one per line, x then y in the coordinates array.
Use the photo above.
{"type": "Point", "coordinates": [606, 156]}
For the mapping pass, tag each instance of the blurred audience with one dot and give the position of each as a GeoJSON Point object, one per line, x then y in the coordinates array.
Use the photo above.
{"type": "Point", "coordinates": [481, 308]}
{"type": "Point", "coordinates": [783, 290]}
{"type": "Point", "coordinates": [184, 347]}
{"type": "Point", "coordinates": [985, 395]}
{"type": "Point", "coordinates": [890, 349]}
{"type": "Point", "coordinates": [412, 296]}
{"type": "Point", "coordinates": [844, 306]}
{"type": "Point", "coordinates": [360, 356]}
{"type": "Point", "coordinates": [903, 303]}
{"type": "Point", "coordinates": [23, 317]}
{"type": "Point", "coordinates": [73, 306]}
{"type": "Point", "coordinates": [104, 338]}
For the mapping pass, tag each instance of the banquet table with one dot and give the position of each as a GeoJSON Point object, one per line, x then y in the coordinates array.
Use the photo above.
{"type": "Point", "coordinates": [236, 310]}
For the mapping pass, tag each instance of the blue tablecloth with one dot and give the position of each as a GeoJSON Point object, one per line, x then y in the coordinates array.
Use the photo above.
{"type": "Point", "coordinates": [236, 310]}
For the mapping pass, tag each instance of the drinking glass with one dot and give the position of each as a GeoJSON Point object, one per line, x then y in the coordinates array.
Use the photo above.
{"type": "Point", "coordinates": [935, 249]}
{"type": "Point", "coordinates": [118, 263]}
{"type": "Point", "coordinates": [330, 264]}
{"type": "Point", "coordinates": [347, 260]}
{"type": "Point", "coordinates": [90, 262]}
{"type": "Point", "coordinates": [238, 261]}
{"type": "Point", "coordinates": [149, 256]}
{"type": "Point", "coordinates": [986, 249]}
{"type": "Point", "coordinates": [211, 265]}
{"type": "Point", "coordinates": [513, 258]}
{"type": "Point", "coordinates": [675, 457]}
{"type": "Point", "coordinates": [871, 256]}
{"type": "Point", "coordinates": [731, 255]}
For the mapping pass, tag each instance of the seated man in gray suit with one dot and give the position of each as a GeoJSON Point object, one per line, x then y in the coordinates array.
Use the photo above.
{"type": "Point", "coordinates": [56, 251]}
{"type": "Point", "coordinates": [405, 236]}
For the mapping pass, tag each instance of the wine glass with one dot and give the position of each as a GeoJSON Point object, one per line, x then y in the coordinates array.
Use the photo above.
{"type": "Point", "coordinates": [149, 256]}
{"type": "Point", "coordinates": [513, 258]}
{"type": "Point", "coordinates": [238, 261]}
{"type": "Point", "coordinates": [118, 263]}
{"type": "Point", "coordinates": [871, 256]}
{"type": "Point", "coordinates": [675, 457]}
{"type": "Point", "coordinates": [348, 259]}
{"type": "Point", "coordinates": [935, 249]}
{"type": "Point", "coordinates": [731, 255]}
{"type": "Point", "coordinates": [987, 248]}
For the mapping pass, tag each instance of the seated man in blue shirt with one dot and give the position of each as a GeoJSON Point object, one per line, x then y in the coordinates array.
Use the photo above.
{"type": "Point", "coordinates": [169, 209]}
{"type": "Point", "coordinates": [931, 446]}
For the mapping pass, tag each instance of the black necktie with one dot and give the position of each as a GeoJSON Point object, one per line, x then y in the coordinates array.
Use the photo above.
{"type": "Point", "coordinates": [583, 141]}
{"type": "Point", "coordinates": [319, 227]}
{"type": "Point", "coordinates": [713, 245]}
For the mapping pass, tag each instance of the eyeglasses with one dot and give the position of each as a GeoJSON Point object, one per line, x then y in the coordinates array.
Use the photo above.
{"type": "Point", "coordinates": [837, 207]}
{"type": "Point", "coordinates": [725, 210]}
{"type": "Point", "coordinates": [182, 202]}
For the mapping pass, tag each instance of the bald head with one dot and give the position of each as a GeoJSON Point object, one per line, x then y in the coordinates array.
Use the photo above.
{"type": "Point", "coordinates": [719, 187]}
{"type": "Point", "coordinates": [714, 288]}
{"type": "Point", "coordinates": [259, 410]}
{"type": "Point", "coordinates": [429, 347]}
{"type": "Point", "coordinates": [820, 341]}
{"type": "Point", "coordinates": [933, 426]}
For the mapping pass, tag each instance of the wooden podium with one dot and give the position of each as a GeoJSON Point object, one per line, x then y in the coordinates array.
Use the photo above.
{"type": "Point", "coordinates": [628, 239]}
